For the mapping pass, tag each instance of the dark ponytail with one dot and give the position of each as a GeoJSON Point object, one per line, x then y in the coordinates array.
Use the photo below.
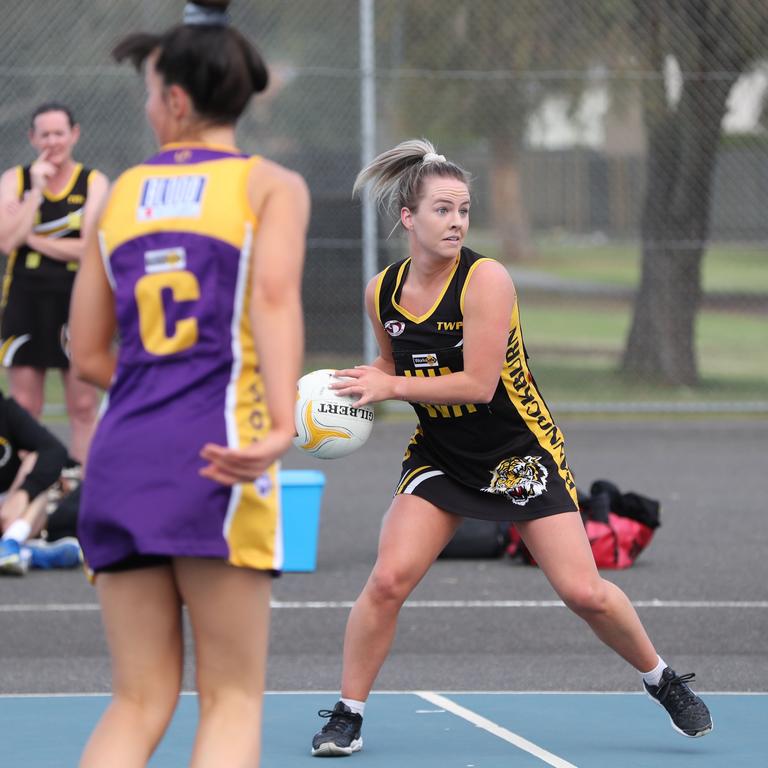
{"type": "Point", "coordinates": [215, 64]}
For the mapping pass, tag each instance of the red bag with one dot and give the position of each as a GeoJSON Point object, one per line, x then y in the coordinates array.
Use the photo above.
{"type": "Point", "coordinates": [619, 526]}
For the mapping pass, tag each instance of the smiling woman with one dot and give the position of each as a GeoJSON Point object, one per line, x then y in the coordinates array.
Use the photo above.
{"type": "Point", "coordinates": [45, 209]}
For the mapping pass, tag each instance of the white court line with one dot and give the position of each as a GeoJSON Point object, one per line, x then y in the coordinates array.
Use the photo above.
{"type": "Point", "coordinates": [495, 729]}
{"type": "Point", "coordinates": [529, 604]}
{"type": "Point", "coordinates": [102, 694]}
{"type": "Point", "coordinates": [325, 604]}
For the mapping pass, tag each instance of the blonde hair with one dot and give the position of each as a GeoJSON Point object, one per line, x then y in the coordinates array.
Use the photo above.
{"type": "Point", "coordinates": [397, 175]}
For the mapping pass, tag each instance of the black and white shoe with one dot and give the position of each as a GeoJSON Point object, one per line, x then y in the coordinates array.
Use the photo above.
{"type": "Point", "coordinates": [340, 736]}
{"type": "Point", "coordinates": [687, 712]}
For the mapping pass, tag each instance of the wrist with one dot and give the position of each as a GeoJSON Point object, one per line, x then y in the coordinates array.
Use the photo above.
{"type": "Point", "coordinates": [35, 194]}
{"type": "Point", "coordinates": [398, 387]}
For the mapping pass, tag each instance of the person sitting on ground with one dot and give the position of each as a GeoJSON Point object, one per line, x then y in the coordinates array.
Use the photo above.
{"type": "Point", "coordinates": [31, 461]}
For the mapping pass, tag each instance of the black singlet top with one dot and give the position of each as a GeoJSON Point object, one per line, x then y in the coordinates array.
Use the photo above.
{"type": "Point", "coordinates": [59, 216]}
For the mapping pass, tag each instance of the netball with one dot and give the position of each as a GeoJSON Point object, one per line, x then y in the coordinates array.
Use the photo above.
{"type": "Point", "coordinates": [328, 425]}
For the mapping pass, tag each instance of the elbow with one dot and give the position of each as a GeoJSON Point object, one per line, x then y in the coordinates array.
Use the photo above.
{"type": "Point", "coordinates": [485, 397]}
{"type": "Point", "coordinates": [485, 392]}
{"type": "Point", "coordinates": [85, 367]}
{"type": "Point", "coordinates": [483, 384]}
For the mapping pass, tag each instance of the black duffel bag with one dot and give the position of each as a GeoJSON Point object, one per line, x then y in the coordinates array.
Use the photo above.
{"type": "Point", "coordinates": [477, 539]}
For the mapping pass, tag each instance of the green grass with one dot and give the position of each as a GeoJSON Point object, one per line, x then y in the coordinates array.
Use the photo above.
{"type": "Point", "coordinates": [726, 267]}
{"type": "Point", "coordinates": [575, 351]}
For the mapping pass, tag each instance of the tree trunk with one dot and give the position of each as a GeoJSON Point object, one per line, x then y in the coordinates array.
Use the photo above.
{"type": "Point", "coordinates": [682, 150]}
{"type": "Point", "coordinates": [510, 217]}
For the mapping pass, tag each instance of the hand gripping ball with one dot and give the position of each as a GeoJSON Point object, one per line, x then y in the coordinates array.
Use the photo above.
{"type": "Point", "coordinates": [328, 425]}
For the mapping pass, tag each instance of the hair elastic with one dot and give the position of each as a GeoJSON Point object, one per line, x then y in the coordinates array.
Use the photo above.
{"type": "Point", "coordinates": [200, 15]}
{"type": "Point", "coordinates": [432, 157]}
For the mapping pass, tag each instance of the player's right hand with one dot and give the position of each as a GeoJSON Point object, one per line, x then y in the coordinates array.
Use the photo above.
{"type": "Point", "coordinates": [41, 171]}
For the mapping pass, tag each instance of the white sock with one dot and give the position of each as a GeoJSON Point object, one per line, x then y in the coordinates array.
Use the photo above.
{"type": "Point", "coordinates": [654, 676]}
{"type": "Point", "coordinates": [18, 530]}
{"type": "Point", "coordinates": [358, 707]}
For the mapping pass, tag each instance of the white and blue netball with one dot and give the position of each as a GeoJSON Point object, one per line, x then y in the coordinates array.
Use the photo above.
{"type": "Point", "coordinates": [329, 425]}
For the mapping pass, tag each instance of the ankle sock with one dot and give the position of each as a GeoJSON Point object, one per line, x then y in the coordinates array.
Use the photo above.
{"type": "Point", "coordinates": [654, 676]}
{"type": "Point", "coordinates": [18, 530]}
{"type": "Point", "coordinates": [358, 707]}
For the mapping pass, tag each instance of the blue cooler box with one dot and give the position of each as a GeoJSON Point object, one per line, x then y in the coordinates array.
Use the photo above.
{"type": "Point", "coordinates": [301, 494]}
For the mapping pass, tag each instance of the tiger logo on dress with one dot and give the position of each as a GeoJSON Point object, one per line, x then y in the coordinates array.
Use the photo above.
{"type": "Point", "coordinates": [519, 479]}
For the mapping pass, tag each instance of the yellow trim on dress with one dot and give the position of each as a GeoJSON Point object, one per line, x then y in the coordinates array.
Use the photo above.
{"type": "Point", "coordinates": [67, 188]}
{"type": "Point", "coordinates": [377, 293]}
{"type": "Point", "coordinates": [410, 476]}
{"type": "Point", "coordinates": [421, 318]}
{"type": "Point", "coordinates": [466, 281]}
{"type": "Point", "coordinates": [534, 412]}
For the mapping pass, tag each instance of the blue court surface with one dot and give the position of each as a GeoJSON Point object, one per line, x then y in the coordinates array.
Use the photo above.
{"type": "Point", "coordinates": [431, 730]}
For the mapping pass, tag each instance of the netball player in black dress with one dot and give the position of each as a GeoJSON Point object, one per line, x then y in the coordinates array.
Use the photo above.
{"type": "Point", "coordinates": [486, 446]}
{"type": "Point", "coordinates": [44, 209]}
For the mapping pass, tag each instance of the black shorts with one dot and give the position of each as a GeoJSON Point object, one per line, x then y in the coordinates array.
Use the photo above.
{"type": "Point", "coordinates": [430, 483]}
{"type": "Point", "coordinates": [34, 327]}
{"type": "Point", "coordinates": [136, 562]}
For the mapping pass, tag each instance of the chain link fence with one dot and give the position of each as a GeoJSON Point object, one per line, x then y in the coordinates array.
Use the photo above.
{"type": "Point", "coordinates": [619, 152]}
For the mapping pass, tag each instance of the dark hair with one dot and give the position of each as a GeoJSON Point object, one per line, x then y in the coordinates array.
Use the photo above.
{"type": "Point", "coordinates": [213, 63]}
{"type": "Point", "coordinates": [52, 106]}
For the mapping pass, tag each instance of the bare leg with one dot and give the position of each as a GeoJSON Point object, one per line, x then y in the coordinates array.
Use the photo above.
{"type": "Point", "coordinates": [82, 407]}
{"type": "Point", "coordinates": [413, 534]}
{"type": "Point", "coordinates": [560, 546]}
{"type": "Point", "coordinates": [27, 388]}
{"type": "Point", "coordinates": [17, 506]}
{"type": "Point", "coordinates": [141, 612]}
{"type": "Point", "coordinates": [229, 613]}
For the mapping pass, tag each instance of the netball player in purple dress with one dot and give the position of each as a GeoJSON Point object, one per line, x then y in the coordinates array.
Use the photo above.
{"type": "Point", "coordinates": [196, 269]}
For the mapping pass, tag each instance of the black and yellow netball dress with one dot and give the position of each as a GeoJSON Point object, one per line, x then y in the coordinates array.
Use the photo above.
{"type": "Point", "coordinates": [36, 288]}
{"type": "Point", "coordinates": [502, 460]}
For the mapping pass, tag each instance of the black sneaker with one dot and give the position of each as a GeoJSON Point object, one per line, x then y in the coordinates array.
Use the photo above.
{"type": "Point", "coordinates": [688, 713]}
{"type": "Point", "coordinates": [340, 735]}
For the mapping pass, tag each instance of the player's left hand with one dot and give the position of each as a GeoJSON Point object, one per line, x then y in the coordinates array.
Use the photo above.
{"type": "Point", "coordinates": [368, 383]}
{"type": "Point", "coordinates": [229, 466]}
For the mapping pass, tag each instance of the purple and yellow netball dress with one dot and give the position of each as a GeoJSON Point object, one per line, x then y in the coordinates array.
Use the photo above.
{"type": "Point", "coordinates": [176, 242]}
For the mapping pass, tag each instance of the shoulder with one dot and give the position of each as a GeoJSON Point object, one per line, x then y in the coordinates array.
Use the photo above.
{"type": "Point", "coordinates": [98, 185]}
{"type": "Point", "coordinates": [477, 265]}
{"type": "Point", "coordinates": [487, 282]}
{"type": "Point", "coordinates": [11, 180]}
{"type": "Point", "coordinates": [271, 182]}
{"type": "Point", "coordinates": [277, 176]}
{"type": "Point", "coordinates": [389, 273]}
{"type": "Point", "coordinates": [95, 177]}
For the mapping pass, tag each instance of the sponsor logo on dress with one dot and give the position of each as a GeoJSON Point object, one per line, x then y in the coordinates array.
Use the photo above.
{"type": "Point", "coordinates": [170, 197]}
{"type": "Point", "coordinates": [263, 485]}
{"type": "Point", "coordinates": [394, 327]}
{"type": "Point", "coordinates": [165, 260]}
{"type": "Point", "coordinates": [519, 479]}
{"type": "Point", "coordinates": [425, 361]}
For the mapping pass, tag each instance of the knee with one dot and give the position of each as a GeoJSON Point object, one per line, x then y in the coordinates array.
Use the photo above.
{"type": "Point", "coordinates": [388, 586]}
{"type": "Point", "coordinates": [151, 709]}
{"type": "Point", "coordinates": [83, 407]}
{"type": "Point", "coordinates": [229, 700]}
{"type": "Point", "coordinates": [587, 599]}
